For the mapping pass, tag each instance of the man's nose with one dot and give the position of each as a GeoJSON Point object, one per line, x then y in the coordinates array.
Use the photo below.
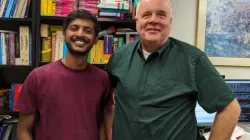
{"type": "Point", "coordinates": [80, 32]}
{"type": "Point", "coordinates": [154, 19]}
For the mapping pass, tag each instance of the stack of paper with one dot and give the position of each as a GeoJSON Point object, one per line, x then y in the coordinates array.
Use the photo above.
{"type": "Point", "coordinates": [64, 7]}
{"type": "Point", "coordinates": [114, 8]}
{"type": "Point", "coordinates": [238, 132]}
{"type": "Point", "coordinates": [245, 137]}
{"type": "Point", "coordinates": [90, 5]}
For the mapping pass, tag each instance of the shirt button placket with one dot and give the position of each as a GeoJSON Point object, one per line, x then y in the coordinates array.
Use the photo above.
{"type": "Point", "coordinates": [141, 87]}
{"type": "Point", "coordinates": [143, 79]}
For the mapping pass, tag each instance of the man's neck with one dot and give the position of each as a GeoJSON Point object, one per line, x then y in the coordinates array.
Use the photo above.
{"type": "Point", "coordinates": [151, 47]}
{"type": "Point", "coordinates": [75, 62]}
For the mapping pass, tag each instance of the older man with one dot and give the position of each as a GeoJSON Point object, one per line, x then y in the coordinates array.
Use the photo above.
{"type": "Point", "coordinates": [158, 81]}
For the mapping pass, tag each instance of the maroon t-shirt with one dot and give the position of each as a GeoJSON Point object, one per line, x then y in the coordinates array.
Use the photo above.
{"type": "Point", "coordinates": [67, 100]}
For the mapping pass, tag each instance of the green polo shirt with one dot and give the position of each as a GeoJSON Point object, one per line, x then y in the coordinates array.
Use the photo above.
{"type": "Point", "coordinates": [156, 98]}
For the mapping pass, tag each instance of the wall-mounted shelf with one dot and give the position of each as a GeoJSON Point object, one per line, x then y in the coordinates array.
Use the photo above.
{"type": "Point", "coordinates": [16, 19]}
{"type": "Point", "coordinates": [61, 18]}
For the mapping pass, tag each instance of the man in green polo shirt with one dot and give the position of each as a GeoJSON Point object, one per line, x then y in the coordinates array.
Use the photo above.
{"type": "Point", "coordinates": [158, 81]}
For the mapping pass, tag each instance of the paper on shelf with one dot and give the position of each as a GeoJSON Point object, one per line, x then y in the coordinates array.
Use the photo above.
{"type": "Point", "coordinates": [238, 131]}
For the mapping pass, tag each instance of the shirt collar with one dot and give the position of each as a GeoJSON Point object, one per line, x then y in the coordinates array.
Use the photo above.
{"type": "Point", "coordinates": [160, 51]}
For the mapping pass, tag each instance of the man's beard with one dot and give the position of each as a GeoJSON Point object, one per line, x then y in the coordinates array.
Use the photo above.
{"type": "Point", "coordinates": [76, 52]}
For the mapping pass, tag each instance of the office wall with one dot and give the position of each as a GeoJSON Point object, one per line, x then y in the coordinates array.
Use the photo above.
{"type": "Point", "coordinates": [184, 28]}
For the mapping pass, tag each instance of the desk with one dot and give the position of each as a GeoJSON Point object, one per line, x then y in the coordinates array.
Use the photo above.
{"type": "Point", "coordinates": [244, 125]}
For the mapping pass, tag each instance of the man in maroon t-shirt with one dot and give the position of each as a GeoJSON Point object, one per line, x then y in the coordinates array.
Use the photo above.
{"type": "Point", "coordinates": [73, 98]}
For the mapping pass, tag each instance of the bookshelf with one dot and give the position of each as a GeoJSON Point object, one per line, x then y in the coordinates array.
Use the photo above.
{"type": "Point", "coordinates": [58, 20]}
{"type": "Point", "coordinates": [11, 72]}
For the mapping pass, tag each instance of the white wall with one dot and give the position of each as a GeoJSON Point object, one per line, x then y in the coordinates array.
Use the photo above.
{"type": "Point", "coordinates": [184, 28]}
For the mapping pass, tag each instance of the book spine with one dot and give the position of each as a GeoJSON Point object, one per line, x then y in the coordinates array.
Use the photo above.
{"type": "Point", "coordinates": [12, 47]}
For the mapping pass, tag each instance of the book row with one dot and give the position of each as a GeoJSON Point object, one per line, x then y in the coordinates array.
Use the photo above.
{"type": "Point", "coordinates": [14, 8]}
{"type": "Point", "coordinates": [16, 47]}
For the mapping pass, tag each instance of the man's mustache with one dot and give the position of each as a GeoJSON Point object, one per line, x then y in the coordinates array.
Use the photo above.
{"type": "Point", "coordinates": [79, 38]}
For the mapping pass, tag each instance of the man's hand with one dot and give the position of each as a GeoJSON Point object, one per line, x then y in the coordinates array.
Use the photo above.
{"type": "Point", "coordinates": [24, 127]}
{"type": "Point", "coordinates": [225, 122]}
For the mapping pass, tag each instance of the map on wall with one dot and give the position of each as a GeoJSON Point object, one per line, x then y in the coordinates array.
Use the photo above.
{"type": "Point", "coordinates": [228, 28]}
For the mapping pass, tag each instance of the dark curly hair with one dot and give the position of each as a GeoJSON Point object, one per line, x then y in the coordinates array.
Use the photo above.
{"type": "Point", "coordinates": [83, 14]}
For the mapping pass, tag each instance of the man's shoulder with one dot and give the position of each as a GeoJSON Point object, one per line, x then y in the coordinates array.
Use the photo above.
{"type": "Point", "coordinates": [98, 72]}
{"type": "Point", "coordinates": [186, 48]}
{"type": "Point", "coordinates": [43, 70]}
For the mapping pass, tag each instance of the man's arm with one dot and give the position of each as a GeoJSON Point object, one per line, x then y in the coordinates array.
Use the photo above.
{"type": "Point", "coordinates": [225, 122]}
{"type": "Point", "coordinates": [25, 125]}
{"type": "Point", "coordinates": [102, 132]}
{"type": "Point", "coordinates": [109, 109]}
{"type": "Point", "coordinates": [108, 121]}
{"type": "Point", "coordinates": [105, 129]}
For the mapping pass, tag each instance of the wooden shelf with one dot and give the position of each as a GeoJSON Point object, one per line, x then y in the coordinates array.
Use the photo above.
{"type": "Point", "coordinates": [43, 63]}
{"type": "Point", "coordinates": [16, 19]}
{"type": "Point", "coordinates": [13, 24]}
{"type": "Point", "coordinates": [52, 17]}
{"type": "Point", "coordinates": [61, 18]}
{"type": "Point", "coordinates": [10, 113]}
{"type": "Point", "coordinates": [6, 111]}
{"type": "Point", "coordinates": [102, 66]}
{"type": "Point", "coordinates": [13, 74]}
{"type": "Point", "coordinates": [116, 20]}
{"type": "Point", "coordinates": [14, 66]}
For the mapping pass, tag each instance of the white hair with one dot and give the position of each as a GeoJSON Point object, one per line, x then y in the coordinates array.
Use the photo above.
{"type": "Point", "coordinates": [169, 3]}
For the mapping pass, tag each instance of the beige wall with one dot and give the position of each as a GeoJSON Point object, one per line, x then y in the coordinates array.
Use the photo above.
{"type": "Point", "coordinates": [184, 28]}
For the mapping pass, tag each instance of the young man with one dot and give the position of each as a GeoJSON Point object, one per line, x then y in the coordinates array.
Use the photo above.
{"type": "Point", "coordinates": [159, 80]}
{"type": "Point", "coordinates": [69, 95]}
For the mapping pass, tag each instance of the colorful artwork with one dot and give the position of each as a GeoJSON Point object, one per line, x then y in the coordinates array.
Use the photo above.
{"type": "Point", "coordinates": [228, 28]}
{"type": "Point", "coordinates": [223, 31]}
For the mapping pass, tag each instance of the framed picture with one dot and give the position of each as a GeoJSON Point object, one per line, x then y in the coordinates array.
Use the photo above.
{"type": "Point", "coordinates": [223, 31]}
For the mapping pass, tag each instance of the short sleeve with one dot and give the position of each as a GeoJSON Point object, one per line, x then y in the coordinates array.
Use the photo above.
{"type": "Point", "coordinates": [27, 100]}
{"type": "Point", "coordinates": [108, 95]}
{"type": "Point", "coordinates": [108, 69]}
{"type": "Point", "coordinates": [213, 92]}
